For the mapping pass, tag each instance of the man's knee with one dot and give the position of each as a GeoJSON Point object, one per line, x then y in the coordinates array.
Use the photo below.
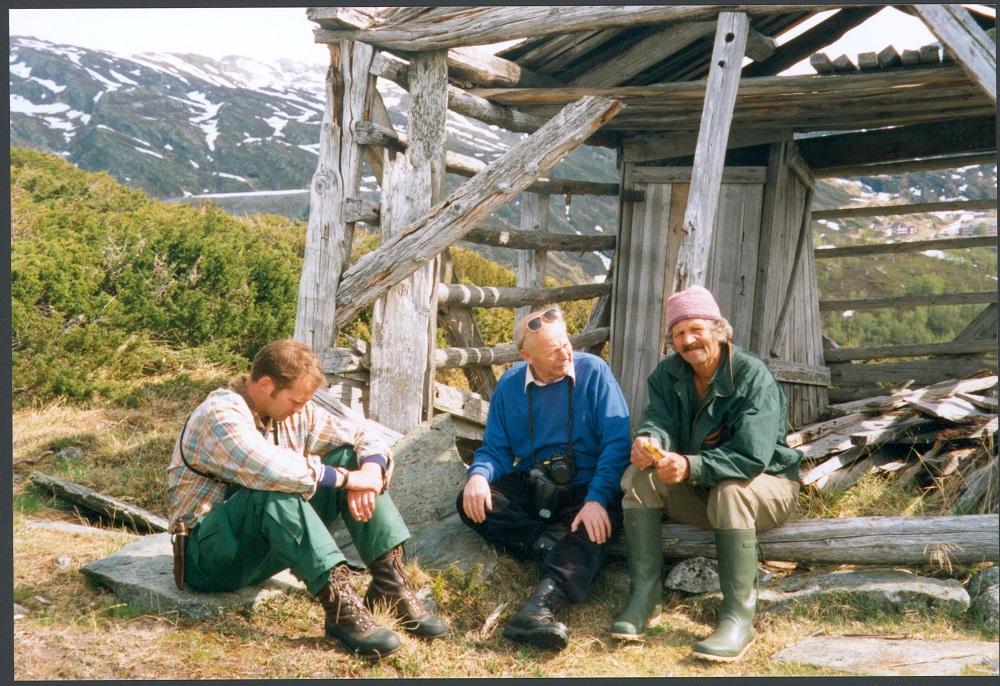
{"type": "Point", "coordinates": [732, 505]}
{"type": "Point", "coordinates": [638, 488]}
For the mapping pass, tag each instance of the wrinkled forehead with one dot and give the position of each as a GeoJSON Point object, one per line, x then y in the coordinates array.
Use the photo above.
{"type": "Point", "coordinates": [691, 325]}
{"type": "Point", "coordinates": [551, 335]}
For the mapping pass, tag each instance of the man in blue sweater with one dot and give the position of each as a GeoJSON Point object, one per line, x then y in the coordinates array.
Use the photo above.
{"type": "Point", "coordinates": [556, 445]}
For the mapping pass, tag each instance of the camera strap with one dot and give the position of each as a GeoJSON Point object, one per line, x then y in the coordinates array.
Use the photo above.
{"type": "Point", "coordinates": [531, 420]}
{"type": "Point", "coordinates": [180, 448]}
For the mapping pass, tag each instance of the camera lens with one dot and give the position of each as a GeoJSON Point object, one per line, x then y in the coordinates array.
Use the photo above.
{"type": "Point", "coordinates": [560, 471]}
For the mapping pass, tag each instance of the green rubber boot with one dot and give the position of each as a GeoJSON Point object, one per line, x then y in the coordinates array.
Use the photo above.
{"type": "Point", "coordinates": [737, 553]}
{"type": "Point", "coordinates": [644, 541]}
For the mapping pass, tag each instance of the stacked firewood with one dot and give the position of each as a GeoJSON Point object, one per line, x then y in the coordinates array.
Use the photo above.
{"type": "Point", "coordinates": [937, 437]}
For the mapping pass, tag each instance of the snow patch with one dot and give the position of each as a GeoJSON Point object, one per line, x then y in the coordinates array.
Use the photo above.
{"type": "Point", "coordinates": [933, 253]}
{"type": "Point", "coordinates": [148, 152]}
{"type": "Point", "coordinates": [847, 313]}
{"type": "Point", "coordinates": [277, 123]}
{"type": "Point", "coordinates": [20, 69]}
{"type": "Point", "coordinates": [111, 85]}
{"type": "Point", "coordinates": [20, 104]}
{"type": "Point", "coordinates": [122, 78]}
{"type": "Point", "coordinates": [231, 176]}
{"type": "Point", "coordinates": [314, 148]}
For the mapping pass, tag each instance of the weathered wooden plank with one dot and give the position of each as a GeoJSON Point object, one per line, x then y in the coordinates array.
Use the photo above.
{"type": "Point", "coordinates": [843, 63]}
{"type": "Point", "coordinates": [830, 465]}
{"type": "Point", "coordinates": [446, 358]}
{"type": "Point", "coordinates": [953, 409]}
{"type": "Point", "coordinates": [483, 25]}
{"type": "Point", "coordinates": [906, 246]}
{"type": "Point", "coordinates": [843, 438]}
{"type": "Point", "coordinates": [805, 234]}
{"type": "Point", "coordinates": [888, 57]}
{"type": "Point", "coordinates": [341, 360]}
{"type": "Point", "coordinates": [494, 296]}
{"type": "Point", "coordinates": [119, 511]}
{"type": "Point", "coordinates": [813, 432]}
{"type": "Point", "coordinates": [644, 53]}
{"type": "Point", "coordinates": [917, 371]}
{"type": "Point", "coordinates": [360, 210]}
{"type": "Point", "coordinates": [459, 100]}
{"type": "Point", "coordinates": [664, 145]}
{"type": "Point", "coordinates": [942, 389]}
{"type": "Point", "coordinates": [531, 264]}
{"type": "Point", "coordinates": [816, 38]}
{"type": "Point", "coordinates": [900, 143]}
{"type": "Point", "coordinates": [468, 406]}
{"type": "Point", "coordinates": [908, 301]}
{"type": "Point", "coordinates": [867, 61]}
{"type": "Point", "coordinates": [930, 54]}
{"type": "Point", "coordinates": [461, 331]}
{"type": "Point", "coordinates": [481, 68]}
{"type": "Point", "coordinates": [337, 408]}
{"type": "Point", "coordinates": [452, 218]}
{"type": "Point", "coordinates": [966, 539]}
{"type": "Point", "coordinates": [821, 63]}
{"type": "Point", "coordinates": [842, 479]}
{"type": "Point", "coordinates": [338, 176]}
{"type": "Point", "coordinates": [914, 208]}
{"type": "Point", "coordinates": [401, 318]}
{"type": "Point", "coordinates": [876, 352]}
{"type": "Point", "coordinates": [759, 47]}
{"type": "Point", "coordinates": [973, 49]}
{"type": "Point", "coordinates": [529, 240]}
{"type": "Point", "coordinates": [932, 164]}
{"type": "Point", "coordinates": [710, 153]}
{"type": "Point", "coordinates": [683, 174]}
{"type": "Point", "coordinates": [798, 372]}
{"type": "Point", "coordinates": [910, 58]}
{"type": "Point", "coordinates": [983, 327]}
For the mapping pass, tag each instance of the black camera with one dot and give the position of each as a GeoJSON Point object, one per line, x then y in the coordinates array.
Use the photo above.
{"type": "Point", "coordinates": [549, 482]}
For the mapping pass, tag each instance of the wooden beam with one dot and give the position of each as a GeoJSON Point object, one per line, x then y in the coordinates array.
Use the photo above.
{"type": "Point", "coordinates": [459, 100]}
{"type": "Point", "coordinates": [983, 327]}
{"type": "Point", "coordinates": [494, 296]}
{"type": "Point", "coordinates": [370, 133]}
{"type": "Point", "coordinates": [447, 358]}
{"type": "Point", "coordinates": [973, 49]}
{"type": "Point", "coordinates": [643, 54]}
{"type": "Point", "coordinates": [878, 352]}
{"type": "Point", "coordinates": [710, 154]}
{"type": "Point", "coordinates": [913, 208]}
{"type": "Point", "coordinates": [484, 193]}
{"type": "Point", "coordinates": [338, 176]}
{"type": "Point", "coordinates": [480, 68]}
{"type": "Point", "coordinates": [461, 331]}
{"type": "Point", "coordinates": [963, 539]}
{"type": "Point", "coordinates": [846, 374]}
{"type": "Point", "coordinates": [798, 372]}
{"type": "Point", "coordinates": [844, 64]}
{"type": "Point", "coordinates": [906, 246]}
{"type": "Point", "coordinates": [531, 264]}
{"type": "Point", "coordinates": [888, 57]}
{"type": "Point", "coordinates": [816, 38]}
{"type": "Point", "coordinates": [821, 63]}
{"type": "Point", "coordinates": [453, 27]}
{"type": "Point", "coordinates": [118, 511]}
{"type": "Point", "coordinates": [759, 47]}
{"type": "Point", "coordinates": [400, 350]}
{"type": "Point", "coordinates": [908, 301]}
{"type": "Point", "coordinates": [664, 146]}
{"type": "Point", "coordinates": [900, 143]}
{"type": "Point", "coordinates": [928, 164]}
{"type": "Point", "coordinates": [528, 240]}
{"type": "Point", "coordinates": [359, 210]}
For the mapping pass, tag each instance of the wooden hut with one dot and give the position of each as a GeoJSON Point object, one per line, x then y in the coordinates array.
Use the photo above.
{"type": "Point", "coordinates": [718, 156]}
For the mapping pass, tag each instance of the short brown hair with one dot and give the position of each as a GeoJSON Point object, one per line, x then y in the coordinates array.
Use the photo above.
{"type": "Point", "coordinates": [285, 361]}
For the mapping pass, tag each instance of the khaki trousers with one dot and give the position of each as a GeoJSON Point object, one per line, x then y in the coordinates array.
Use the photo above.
{"type": "Point", "coordinates": [760, 503]}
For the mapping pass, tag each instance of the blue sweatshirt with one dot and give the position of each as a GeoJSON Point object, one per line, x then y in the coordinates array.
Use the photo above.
{"type": "Point", "coordinates": [601, 438]}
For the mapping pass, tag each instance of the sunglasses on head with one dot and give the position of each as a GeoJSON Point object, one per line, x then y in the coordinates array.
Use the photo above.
{"type": "Point", "coordinates": [549, 316]}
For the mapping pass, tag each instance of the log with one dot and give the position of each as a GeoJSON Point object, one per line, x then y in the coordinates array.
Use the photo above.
{"type": "Point", "coordinates": [888, 57]}
{"type": "Point", "coordinates": [459, 100]}
{"type": "Point", "coordinates": [759, 47]}
{"type": "Point", "coordinates": [877, 352]}
{"type": "Point", "coordinates": [369, 133]}
{"type": "Point", "coordinates": [967, 539]}
{"type": "Point", "coordinates": [452, 27]}
{"type": "Point", "coordinates": [710, 154]}
{"type": "Point", "coordinates": [983, 327]}
{"type": "Point", "coordinates": [118, 511]}
{"type": "Point", "coordinates": [452, 218]}
{"type": "Point", "coordinates": [930, 54]}
{"type": "Point", "coordinates": [918, 371]}
{"type": "Point", "coordinates": [900, 143]}
{"type": "Point", "coordinates": [460, 330]}
{"type": "Point", "coordinates": [932, 164]}
{"type": "Point", "coordinates": [493, 296]}
{"type": "Point", "coordinates": [913, 208]}
{"type": "Point", "coordinates": [468, 406]}
{"type": "Point", "coordinates": [446, 358]}
{"type": "Point", "coordinates": [843, 63]}
{"type": "Point", "coordinates": [359, 210]}
{"type": "Point", "coordinates": [910, 58]}
{"type": "Point", "coordinates": [529, 240]}
{"type": "Point", "coordinates": [906, 246]}
{"type": "Point", "coordinates": [798, 372]}
{"type": "Point", "coordinates": [867, 61]}
{"type": "Point", "coordinates": [480, 68]}
{"type": "Point", "coordinates": [402, 337]}
{"type": "Point", "coordinates": [821, 63]}
{"type": "Point", "coordinates": [908, 301]}
{"type": "Point", "coordinates": [973, 49]}
{"type": "Point", "coordinates": [531, 264]}
{"type": "Point", "coordinates": [808, 43]}
{"type": "Point", "coordinates": [328, 402]}
{"type": "Point", "coordinates": [342, 360]}
{"type": "Point", "coordinates": [338, 176]}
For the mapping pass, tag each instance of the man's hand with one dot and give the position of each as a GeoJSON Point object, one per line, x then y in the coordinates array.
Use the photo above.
{"type": "Point", "coordinates": [361, 505]}
{"type": "Point", "coordinates": [645, 451]}
{"type": "Point", "coordinates": [477, 499]}
{"type": "Point", "coordinates": [672, 468]}
{"type": "Point", "coordinates": [595, 520]}
{"type": "Point", "coordinates": [368, 477]}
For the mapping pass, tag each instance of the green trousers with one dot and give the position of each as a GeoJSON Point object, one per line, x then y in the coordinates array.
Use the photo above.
{"type": "Point", "coordinates": [253, 535]}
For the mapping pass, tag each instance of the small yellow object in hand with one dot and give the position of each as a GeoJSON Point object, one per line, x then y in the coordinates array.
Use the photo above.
{"type": "Point", "coordinates": [651, 450]}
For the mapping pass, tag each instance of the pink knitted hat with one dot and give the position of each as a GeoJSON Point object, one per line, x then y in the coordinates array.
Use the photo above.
{"type": "Point", "coordinates": [693, 303]}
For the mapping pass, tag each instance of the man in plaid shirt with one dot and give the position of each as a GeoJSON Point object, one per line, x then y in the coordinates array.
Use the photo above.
{"type": "Point", "coordinates": [259, 473]}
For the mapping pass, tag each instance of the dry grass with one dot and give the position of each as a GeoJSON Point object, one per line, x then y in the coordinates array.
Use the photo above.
{"type": "Point", "coordinates": [78, 631]}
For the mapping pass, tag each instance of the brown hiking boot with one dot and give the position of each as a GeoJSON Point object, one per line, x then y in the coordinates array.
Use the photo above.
{"type": "Point", "coordinates": [349, 621]}
{"type": "Point", "coordinates": [390, 585]}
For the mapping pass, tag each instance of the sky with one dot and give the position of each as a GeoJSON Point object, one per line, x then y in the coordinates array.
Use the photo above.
{"type": "Point", "coordinates": [271, 33]}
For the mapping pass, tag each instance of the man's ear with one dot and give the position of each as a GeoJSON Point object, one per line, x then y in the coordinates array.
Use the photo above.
{"type": "Point", "coordinates": [266, 384]}
{"type": "Point", "coordinates": [524, 353]}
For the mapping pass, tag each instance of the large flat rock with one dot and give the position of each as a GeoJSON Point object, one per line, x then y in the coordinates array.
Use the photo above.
{"type": "Point", "coordinates": [892, 657]}
{"type": "Point", "coordinates": [890, 589]}
{"type": "Point", "coordinates": [141, 574]}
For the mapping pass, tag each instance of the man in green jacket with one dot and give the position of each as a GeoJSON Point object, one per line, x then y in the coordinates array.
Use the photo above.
{"type": "Point", "coordinates": [711, 452]}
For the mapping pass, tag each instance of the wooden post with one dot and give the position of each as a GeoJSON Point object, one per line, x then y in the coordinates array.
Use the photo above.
{"type": "Point", "coordinates": [531, 264]}
{"type": "Point", "coordinates": [338, 176]}
{"type": "Point", "coordinates": [710, 154]}
{"type": "Point", "coordinates": [973, 49]}
{"type": "Point", "coordinates": [402, 323]}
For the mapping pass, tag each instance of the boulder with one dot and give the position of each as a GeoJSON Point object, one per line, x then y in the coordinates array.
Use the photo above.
{"type": "Point", "coordinates": [141, 574]}
{"type": "Point", "coordinates": [986, 607]}
{"type": "Point", "coordinates": [892, 657]}
{"type": "Point", "coordinates": [983, 579]}
{"type": "Point", "coordinates": [889, 589]}
{"type": "Point", "coordinates": [693, 575]}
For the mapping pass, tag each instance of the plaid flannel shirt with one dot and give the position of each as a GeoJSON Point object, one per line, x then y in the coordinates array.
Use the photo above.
{"type": "Point", "coordinates": [225, 438]}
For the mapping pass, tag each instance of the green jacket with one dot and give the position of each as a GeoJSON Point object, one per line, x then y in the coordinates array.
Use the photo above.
{"type": "Point", "coordinates": [739, 430]}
